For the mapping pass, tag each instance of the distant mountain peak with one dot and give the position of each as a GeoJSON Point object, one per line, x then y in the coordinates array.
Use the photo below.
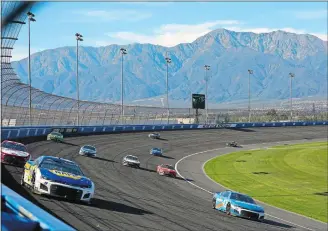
{"type": "Point", "coordinates": [230, 54]}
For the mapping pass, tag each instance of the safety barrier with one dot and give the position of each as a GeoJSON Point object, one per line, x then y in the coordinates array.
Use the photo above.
{"type": "Point", "coordinates": [274, 124]}
{"type": "Point", "coordinates": [21, 132]}
{"type": "Point", "coordinates": [17, 213]}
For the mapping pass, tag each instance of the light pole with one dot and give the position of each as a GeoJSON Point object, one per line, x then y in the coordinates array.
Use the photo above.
{"type": "Point", "coordinates": [78, 38]}
{"type": "Point", "coordinates": [168, 60]}
{"type": "Point", "coordinates": [30, 19]}
{"type": "Point", "coordinates": [123, 52]}
{"type": "Point", "coordinates": [291, 75]}
{"type": "Point", "coordinates": [250, 72]}
{"type": "Point", "coordinates": [207, 68]}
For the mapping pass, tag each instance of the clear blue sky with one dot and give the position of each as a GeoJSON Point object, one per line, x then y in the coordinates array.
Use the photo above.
{"type": "Point", "coordinates": [163, 23]}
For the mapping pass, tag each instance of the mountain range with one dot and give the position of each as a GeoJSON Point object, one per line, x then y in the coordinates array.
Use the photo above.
{"type": "Point", "coordinates": [271, 56]}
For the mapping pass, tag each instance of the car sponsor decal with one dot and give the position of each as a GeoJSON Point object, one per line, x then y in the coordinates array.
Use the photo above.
{"type": "Point", "coordinates": [219, 205]}
{"type": "Point", "coordinates": [65, 174]}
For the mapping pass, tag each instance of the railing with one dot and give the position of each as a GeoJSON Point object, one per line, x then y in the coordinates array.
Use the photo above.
{"type": "Point", "coordinates": [32, 131]}
{"type": "Point", "coordinates": [19, 116]}
{"type": "Point", "coordinates": [17, 213]}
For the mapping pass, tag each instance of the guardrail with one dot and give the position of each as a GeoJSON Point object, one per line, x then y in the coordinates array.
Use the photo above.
{"type": "Point", "coordinates": [274, 124]}
{"type": "Point", "coordinates": [17, 213]}
{"type": "Point", "coordinates": [30, 131]}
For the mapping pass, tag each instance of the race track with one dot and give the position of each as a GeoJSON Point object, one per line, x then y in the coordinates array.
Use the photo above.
{"type": "Point", "coordinates": [139, 199]}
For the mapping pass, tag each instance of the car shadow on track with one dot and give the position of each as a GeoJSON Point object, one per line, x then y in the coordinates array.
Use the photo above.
{"type": "Point", "coordinates": [242, 129]}
{"type": "Point", "coordinates": [147, 170]}
{"type": "Point", "coordinates": [117, 207]}
{"type": "Point", "coordinates": [275, 223]}
{"type": "Point", "coordinates": [103, 159]}
{"type": "Point", "coordinates": [186, 179]}
{"type": "Point", "coordinates": [162, 139]}
{"type": "Point", "coordinates": [71, 144]}
{"type": "Point", "coordinates": [167, 157]}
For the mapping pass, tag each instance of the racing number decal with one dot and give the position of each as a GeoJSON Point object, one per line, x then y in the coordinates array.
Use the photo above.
{"type": "Point", "coordinates": [29, 173]}
{"type": "Point", "coordinates": [65, 174]}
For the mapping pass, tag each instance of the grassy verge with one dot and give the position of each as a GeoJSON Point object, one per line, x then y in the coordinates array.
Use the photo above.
{"type": "Point", "coordinates": [292, 177]}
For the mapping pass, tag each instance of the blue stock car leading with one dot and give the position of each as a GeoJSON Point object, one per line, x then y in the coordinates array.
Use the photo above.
{"type": "Point", "coordinates": [237, 204]}
{"type": "Point", "coordinates": [156, 152]}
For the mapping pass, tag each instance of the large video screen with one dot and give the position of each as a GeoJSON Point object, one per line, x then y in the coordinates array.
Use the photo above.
{"type": "Point", "coordinates": [198, 101]}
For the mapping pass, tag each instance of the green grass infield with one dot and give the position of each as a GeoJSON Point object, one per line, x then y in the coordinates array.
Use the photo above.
{"type": "Point", "coordinates": [291, 177]}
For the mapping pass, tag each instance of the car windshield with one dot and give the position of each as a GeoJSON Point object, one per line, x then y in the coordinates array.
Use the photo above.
{"type": "Point", "coordinates": [156, 149]}
{"type": "Point", "coordinates": [14, 146]}
{"type": "Point", "coordinates": [56, 133]}
{"type": "Point", "coordinates": [61, 165]}
{"type": "Point", "coordinates": [132, 158]}
{"type": "Point", "coordinates": [241, 197]}
{"type": "Point", "coordinates": [168, 166]}
{"type": "Point", "coordinates": [90, 147]}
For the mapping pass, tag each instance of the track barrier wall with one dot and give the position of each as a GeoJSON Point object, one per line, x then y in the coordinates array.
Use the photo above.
{"type": "Point", "coordinates": [33, 131]}
{"type": "Point", "coordinates": [20, 214]}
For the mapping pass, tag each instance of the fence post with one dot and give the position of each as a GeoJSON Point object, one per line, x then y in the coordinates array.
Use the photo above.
{"type": "Point", "coordinates": [53, 121]}
{"type": "Point", "coordinates": [104, 117]}
{"type": "Point", "coordinates": [39, 118]}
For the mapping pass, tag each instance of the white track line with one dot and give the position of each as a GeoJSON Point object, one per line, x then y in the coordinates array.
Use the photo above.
{"type": "Point", "coordinates": [197, 153]}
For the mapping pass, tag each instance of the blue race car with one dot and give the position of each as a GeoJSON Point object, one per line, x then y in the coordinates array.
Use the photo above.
{"type": "Point", "coordinates": [237, 204]}
{"type": "Point", "coordinates": [156, 152]}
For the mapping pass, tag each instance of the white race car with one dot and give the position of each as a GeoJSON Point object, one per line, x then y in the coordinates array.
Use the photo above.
{"type": "Point", "coordinates": [154, 135]}
{"type": "Point", "coordinates": [58, 177]}
{"type": "Point", "coordinates": [130, 160]}
{"type": "Point", "coordinates": [88, 150]}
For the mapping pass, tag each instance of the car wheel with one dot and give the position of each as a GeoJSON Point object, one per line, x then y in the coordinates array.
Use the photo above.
{"type": "Point", "coordinates": [228, 207]}
{"type": "Point", "coordinates": [90, 201]}
{"type": "Point", "coordinates": [33, 183]}
{"type": "Point", "coordinates": [213, 204]}
{"type": "Point", "coordinates": [22, 178]}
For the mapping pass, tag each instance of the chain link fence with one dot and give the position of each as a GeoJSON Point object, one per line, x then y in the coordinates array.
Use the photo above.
{"type": "Point", "coordinates": [48, 109]}
{"type": "Point", "coordinates": [19, 116]}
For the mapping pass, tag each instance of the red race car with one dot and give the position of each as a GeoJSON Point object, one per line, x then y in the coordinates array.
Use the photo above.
{"type": "Point", "coordinates": [166, 169]}
{"type": "Point", "coordinates": [14, 153]}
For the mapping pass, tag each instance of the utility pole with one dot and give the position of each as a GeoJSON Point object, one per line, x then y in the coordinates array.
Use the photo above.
{"type": "Point", "coordinates": [250, 72]}
{"type": "Point", "coordinates": [207, 68]}
{"type": "Point", "coordinates": [168, 61]}
{"type": "Point", "coordinates": [78, 38]}
{"type": "Point", "coordinates": [123, 52]}
{"type": "Point", "coordinates": [30, 19]}
{"type": "Point", "coordinates": [291, 75]}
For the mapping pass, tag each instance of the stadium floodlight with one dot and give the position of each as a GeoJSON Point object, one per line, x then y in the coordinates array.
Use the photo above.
{"type": "Point", "coordinates": [207, 68]}
{"type": "Point", "coordinates": [78, 38]}
{"type": "Point", "coordinates": [250, 72]}
{"type": "Point", "coordinates": [123, 52]}
{"type": "Point", "coordinates": [30, 19]}
{"type": "Point", "coordinates": [168, 61]}
{"type": "Point", "coordinates": [291, 75]}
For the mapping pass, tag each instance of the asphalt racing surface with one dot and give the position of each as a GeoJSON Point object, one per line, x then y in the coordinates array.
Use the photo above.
{"type": "Point", "coordinates": [139, 199]}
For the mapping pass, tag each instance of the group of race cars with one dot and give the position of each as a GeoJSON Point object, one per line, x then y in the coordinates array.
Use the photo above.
{"type": "Point", "coordinates": [59, 177]}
